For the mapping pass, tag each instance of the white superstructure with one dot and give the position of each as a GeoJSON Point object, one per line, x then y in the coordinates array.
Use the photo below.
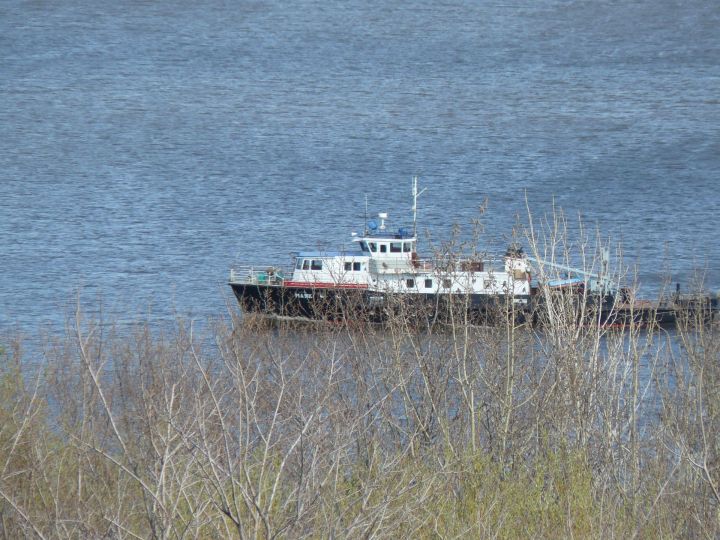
{"type": "Point", "coordinates": [387, 261]}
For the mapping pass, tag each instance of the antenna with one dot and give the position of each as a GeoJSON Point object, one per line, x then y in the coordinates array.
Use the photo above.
{"type": "Point", "coordinates": [366, 222]}
{"type": "Point", "coordinates": [414, 207]}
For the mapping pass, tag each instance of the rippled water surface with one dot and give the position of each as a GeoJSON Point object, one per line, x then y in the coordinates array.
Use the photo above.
{"type": "Point", "coordinates": [147, 146]}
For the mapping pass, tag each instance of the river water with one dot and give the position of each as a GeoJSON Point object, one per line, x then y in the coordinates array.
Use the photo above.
{"type": "Point", "coordinates": [147, 146]}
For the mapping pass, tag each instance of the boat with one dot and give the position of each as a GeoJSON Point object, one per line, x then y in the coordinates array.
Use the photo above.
{"type": "Point", "coordinates": [381, 274]}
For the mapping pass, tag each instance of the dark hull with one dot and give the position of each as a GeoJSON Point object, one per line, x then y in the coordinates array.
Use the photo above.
{"type": "Point", "coordinates": [669, 314]}
{"type": "Point", "coordinates": [351, 304]}
{"type": "Point", "coordinates": [345, 304]}
{"type": "Point", "coordinates": [609, 312]}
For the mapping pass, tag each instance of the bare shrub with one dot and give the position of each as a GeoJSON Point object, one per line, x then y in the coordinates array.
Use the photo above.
{"type": "Point", "coordinates": [424, 426]}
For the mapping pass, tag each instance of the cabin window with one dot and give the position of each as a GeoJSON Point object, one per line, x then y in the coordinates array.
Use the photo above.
{"type": "Point", "coordinates": [447, 283]}
{"type": "Point", "coordinates": [410, 283]}
{"type": "Point", "coordinates": [383, 248]}
{"type": "Point", "coordinates": [306, 264]}
{"type": "Point", "coordinates": [348, 266]}
{"type": "Point", "coordinates": [407, 247]}
{"type": "Point", "coordinates": [395, 247]}
{"type": "Point", "coordinates": [316, 264]}
{"type": "Point", "coordinates": [428, 283]}
{"type": "Point", "coordinates": [373, 247]}
{"type": "Point", "coordinates": [298, 264]}
{"type": "Point", "coordinates": [356, 266]}
{"type": "Point", "coordinates": [364, 246]}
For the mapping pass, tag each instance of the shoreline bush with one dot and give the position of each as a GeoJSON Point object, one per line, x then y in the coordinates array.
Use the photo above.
{"type": "Point", "coordinates": [278, 431]}
{"type": "Point", "coordinates": [253, 430]}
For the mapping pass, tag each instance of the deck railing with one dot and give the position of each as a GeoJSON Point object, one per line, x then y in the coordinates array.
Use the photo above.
{"type": "Point", "coordinates": [260, 274]}
{"type": "Point", "coordinates": [394, 266]}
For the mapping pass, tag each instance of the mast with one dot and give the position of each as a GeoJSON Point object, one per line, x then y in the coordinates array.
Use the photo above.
{"type": "Point", "coordinates": [366, 210]}
{"type": "Point", "coordinates": [414, 206]}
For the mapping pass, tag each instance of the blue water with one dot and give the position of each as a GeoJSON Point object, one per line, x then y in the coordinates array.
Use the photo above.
{"type": "Point", "coordinates": [147, 146]}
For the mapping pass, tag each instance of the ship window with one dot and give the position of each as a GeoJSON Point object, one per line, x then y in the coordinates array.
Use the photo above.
{"type": "Point", "coordinates": [298, 265]}
{"type": "Point", "coordinates": [356, 267]}
{"type": "Point", "coordinates": [373, 247]}
{"type": "Point", "coordinates": [306, 264]}
{"type": "Point", "coordinates": [410, 283]}
{"type": "Point", "coordinates": [447, 283]}
{"type": "Point", "coordinates": [428, 283]}
{"type": "Point", "coordinates": [407, 247]}
{"type": "Point", "coordinates": [364, 246]}
{"type": "Point", "coordinates": [316, 264]}
{"type": "Point", "coordinates": [395, 247]}
{"type": "Point", "coordinates": [383, 248]}
{"type": "Point", "coordinates": [348, 266]}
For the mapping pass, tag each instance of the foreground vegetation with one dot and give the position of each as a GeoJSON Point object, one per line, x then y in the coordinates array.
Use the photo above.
{"type": "Point", "coordinates": [265, 431]}
{"type": "Point", "coordinates": [251, 430]}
